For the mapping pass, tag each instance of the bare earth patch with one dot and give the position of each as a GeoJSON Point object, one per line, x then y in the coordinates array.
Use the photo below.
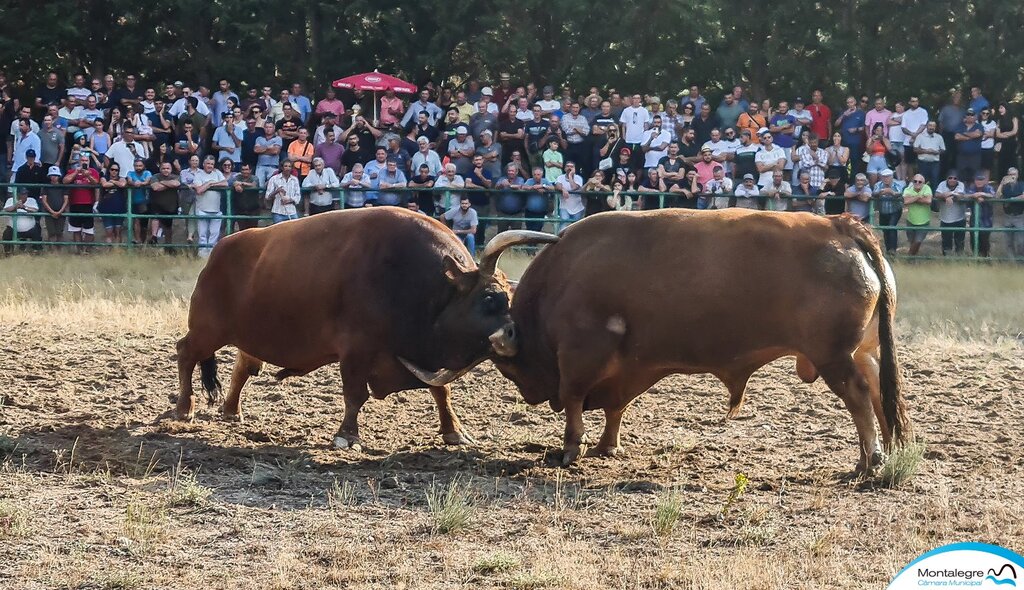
{"type": "Point", "coordinates": [100, 489]}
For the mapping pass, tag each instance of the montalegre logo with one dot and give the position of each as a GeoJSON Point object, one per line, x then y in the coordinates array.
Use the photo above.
{"type": "Point", "coordinates": [963, 565]}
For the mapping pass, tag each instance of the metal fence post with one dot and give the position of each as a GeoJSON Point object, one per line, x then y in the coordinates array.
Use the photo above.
{"type": "Point", "coordinates": [976, 222]}
{"type": "Point", "coordinates": [230, 210]}
{"type": "Point", "coordinates": [129, 218]}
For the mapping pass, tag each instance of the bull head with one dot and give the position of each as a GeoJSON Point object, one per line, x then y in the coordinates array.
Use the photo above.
{"type": "Point", "coordinates": [478, 317]}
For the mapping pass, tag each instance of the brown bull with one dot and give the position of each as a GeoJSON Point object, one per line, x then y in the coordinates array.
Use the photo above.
{"type": "Point", "coordinates": [626, 299]}
{"type": "Point", "coordinates": [390, 294]}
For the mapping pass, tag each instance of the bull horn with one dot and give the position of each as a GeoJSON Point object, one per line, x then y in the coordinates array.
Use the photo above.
{"type": "Point", "coordinates": [435, 378]}
{"type": "Point", "coordinates": [507, 239]}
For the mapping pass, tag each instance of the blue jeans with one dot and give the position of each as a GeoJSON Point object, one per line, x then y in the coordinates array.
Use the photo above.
{"type": "Point", "coordinates": [278, 218]}
{"type": "Point", "coordinates": [470, 241]}
{"type": "Point", "coordinates": [568, 218]}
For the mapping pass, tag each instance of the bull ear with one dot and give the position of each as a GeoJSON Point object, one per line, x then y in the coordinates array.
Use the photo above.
{"type": "Point", "coordinates": [458, 276]}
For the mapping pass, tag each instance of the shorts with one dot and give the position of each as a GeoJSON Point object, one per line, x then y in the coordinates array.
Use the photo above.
{"type": "Point", "coordinates": [917, 235]}
{"type": "Point", "coordinates": [164, 203]}
{"type": "Point", "coordinates": [876, 164]}
{"type": "Point", "coordinates": [84, 225]}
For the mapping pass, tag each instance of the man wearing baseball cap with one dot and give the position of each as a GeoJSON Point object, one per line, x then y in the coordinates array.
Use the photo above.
{"type": "Point", "coordinates": [461, 150]}
{"type": "Point", "coordinates": [747, 193]}
{"type": "Point", "coordinates": [54, 204]}
{"type": "Point", "coordinates": [968, 144]}
{"type": "Point", "coordinates": [31, 172]}
{"type": "Point", "coordinates": [81, 200]}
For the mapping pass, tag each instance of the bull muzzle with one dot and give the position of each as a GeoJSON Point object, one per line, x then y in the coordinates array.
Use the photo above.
{"type": "Point", "coordinates": [504, 341]}
{"type": "Point", "coordinates": [436, 378]}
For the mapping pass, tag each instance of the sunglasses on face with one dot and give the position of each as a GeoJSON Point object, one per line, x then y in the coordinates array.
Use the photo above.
{"type": "Point", "coordinates": [918, 181]}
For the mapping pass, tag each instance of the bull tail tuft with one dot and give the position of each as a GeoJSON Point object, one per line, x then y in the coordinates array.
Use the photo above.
{"type": "Point", "coordinates": [890, 377]}
{"type": "Point", "coordinates": [208, 375]}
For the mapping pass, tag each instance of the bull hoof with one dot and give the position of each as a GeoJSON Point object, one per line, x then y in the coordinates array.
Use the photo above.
{"type": "Point", "coordinates": [604, 451]}
{"type": "Point", "coordinates": [457, 438]}
{"type": "Point", "coordinates": [347, 441]}
{"type": "Point", "coordinates": [231, 416]}
{"type": "Point", "coordinates": [184, 416]}
{"type": "Point", "coordinates": [570, 455]}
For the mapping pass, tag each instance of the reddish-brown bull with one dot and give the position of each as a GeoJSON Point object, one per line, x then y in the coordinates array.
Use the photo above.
{"type": "Point", "coordinates": [390, 294]}
{"type": "Point", "coordinates": [626, 299]}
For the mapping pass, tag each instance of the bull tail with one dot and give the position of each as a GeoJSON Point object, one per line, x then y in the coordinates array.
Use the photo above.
{"type": "Point", "coordinates": [890, 377]}
{"type": "Point", "coordinates": [208, 375]}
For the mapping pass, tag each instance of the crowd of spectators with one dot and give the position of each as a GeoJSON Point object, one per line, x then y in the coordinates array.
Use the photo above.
{"type": "Point", "coordinates": [101, 147]}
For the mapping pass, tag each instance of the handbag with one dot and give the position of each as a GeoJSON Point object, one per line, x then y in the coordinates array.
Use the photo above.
{"type": "Point", "coordinates": [605, 164]}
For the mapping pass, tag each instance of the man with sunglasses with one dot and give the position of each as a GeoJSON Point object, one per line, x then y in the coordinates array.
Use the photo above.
{"type": "Point", "coordinates": [917, 199]}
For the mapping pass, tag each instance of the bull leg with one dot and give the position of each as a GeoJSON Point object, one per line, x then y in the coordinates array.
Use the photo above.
{"type": "Point", "coordinates": [845, 378]}
{"type": "Point", "coordinates": [452, 432]}
{"type": "Point", "coordinates": [245, 366]}
{"type": "Point", "coordinates": [867, 364]}
{"type": "Point", "coordinates": [609, 444]}
{"type": "Point", "coordinates": [188, 358]}
{"type": "Point", "coordinates": [355, 392]}
{"type": "Point", "coordinates": [572, 442]}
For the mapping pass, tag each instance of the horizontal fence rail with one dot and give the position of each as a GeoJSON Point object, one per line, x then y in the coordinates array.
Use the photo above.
{"type": "Point", "coordinates": [446, 198]}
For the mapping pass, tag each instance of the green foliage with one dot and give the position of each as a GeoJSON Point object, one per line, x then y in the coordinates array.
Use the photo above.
{"type": "Point", "coordinates": [738, 489]}
{"type": "Point", "coordinates": [778, 50]}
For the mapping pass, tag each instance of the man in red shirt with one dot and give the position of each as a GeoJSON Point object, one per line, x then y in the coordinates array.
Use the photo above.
{"type": "Point", "coordinates": [81, 200]}
{"type": "Point", "coordinates": [821, 116]}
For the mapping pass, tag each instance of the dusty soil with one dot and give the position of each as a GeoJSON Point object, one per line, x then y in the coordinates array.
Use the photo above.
{"type": "Point", "coordinates": [101, 489]}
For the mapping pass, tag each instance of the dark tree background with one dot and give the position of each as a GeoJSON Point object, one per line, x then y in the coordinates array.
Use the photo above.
{"type": "Point", "coordinates": [777, 49]}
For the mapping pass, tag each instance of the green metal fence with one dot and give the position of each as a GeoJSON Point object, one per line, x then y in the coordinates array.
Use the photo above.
{"type": "Point", "coordinates": [448, 197]}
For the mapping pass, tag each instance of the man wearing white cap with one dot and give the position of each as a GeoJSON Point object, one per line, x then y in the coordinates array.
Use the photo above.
{"type": "Point", "coordinates": [461, 150]}
{"type": "Point", "coordinates": [54, 203]}
{"type": "Point", "coordinates": [888, 193]}
{"type": "Point", "coordinates": [487, 100]}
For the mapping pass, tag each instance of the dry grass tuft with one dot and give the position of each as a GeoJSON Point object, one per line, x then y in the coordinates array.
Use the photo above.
{"type": "Point", "coordinates": [450, 506]}
{"type": "Point", "coordinates": [13, 521]}
{"type": "Point", "coordinates": [145, 522]}
{"type": "Point", "coordinates": [667, 510]}
{"type": "Point", "coordinates": [184, 490]}
{"type": "Point", "coordinates": [495, 563]}
{"type": "Point", "coordinates": [902, 464]}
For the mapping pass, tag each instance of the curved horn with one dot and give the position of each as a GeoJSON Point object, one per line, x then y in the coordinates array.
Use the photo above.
{"type": "Point", "coordinates": [436, 378]}
{"type": "Point", "coordinates": [507, 239]}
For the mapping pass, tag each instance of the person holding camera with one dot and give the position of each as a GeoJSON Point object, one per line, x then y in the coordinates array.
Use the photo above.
{"type": "Point", "coordinates": [23, 222]}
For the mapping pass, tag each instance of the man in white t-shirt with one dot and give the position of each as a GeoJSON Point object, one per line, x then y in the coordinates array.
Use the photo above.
{"type": "Point", "coordinates": [722, 151]}
{"type": "Point", "coordinates": [634, 120]}
{"type": "Point", "coordinates": [125, 150]}
{"type": "Point", "coordinates": [769, 159]}
{"type": "Point", "coordinates": [654, 142]}
{"type": "Point", "coordinates": [803, 117]}
{"type": "Point", "coordinates": [548, 104]}
{"type": "Point", "coordinates": [915, 121]}
{"type": "Point", "coordinates": [570, 206]}
{"type": "Point", "coordinates": [27, 227]}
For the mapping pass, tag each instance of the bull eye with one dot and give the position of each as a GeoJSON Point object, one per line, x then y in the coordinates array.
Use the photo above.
{"type": "Point", "coordinates": [494, 304]}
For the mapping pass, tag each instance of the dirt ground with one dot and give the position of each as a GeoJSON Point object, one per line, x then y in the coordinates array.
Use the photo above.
{"type": "Point", "coordinates": [99, 488]}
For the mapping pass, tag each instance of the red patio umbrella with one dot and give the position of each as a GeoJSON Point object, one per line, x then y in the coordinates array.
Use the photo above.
{"type": "Point", "coordinates": [376, 82]}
